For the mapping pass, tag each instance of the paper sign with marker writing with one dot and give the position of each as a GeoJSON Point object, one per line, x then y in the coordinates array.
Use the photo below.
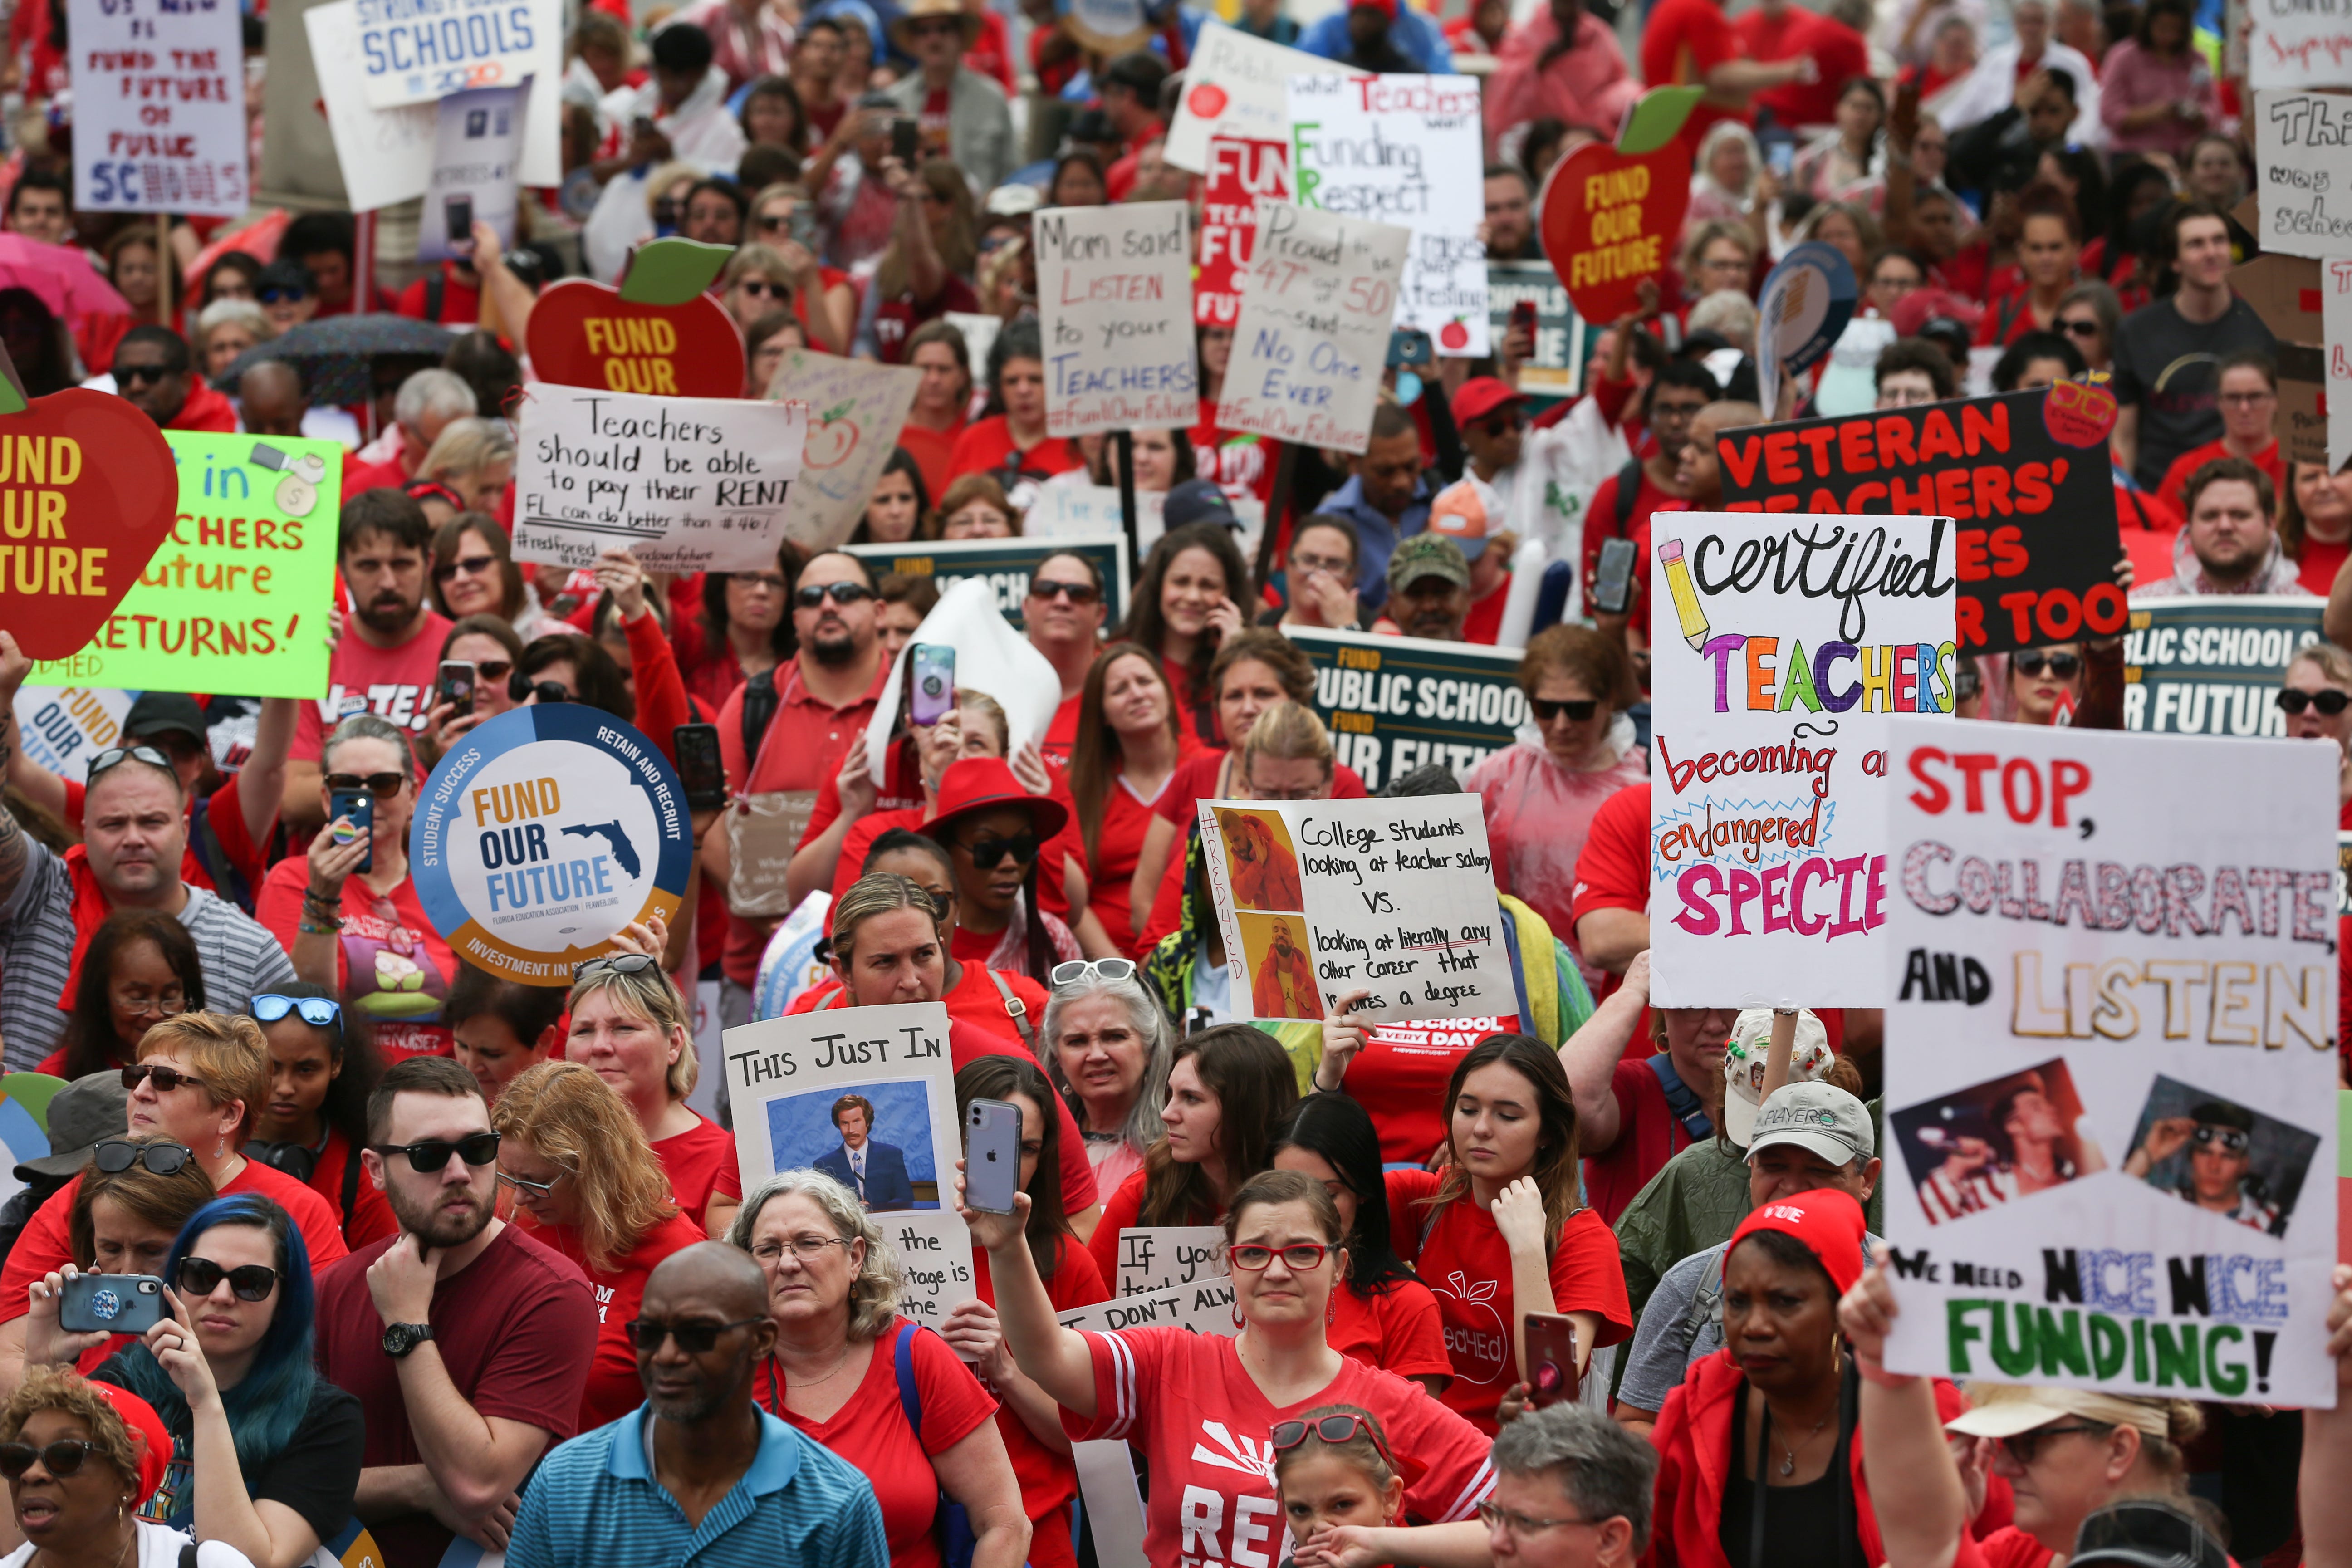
{"type": "Point", "coordinates": [477, 149]}
{"type": "Point", "coordinates": [1234, 85]}
{"type": "Point", "coordinates": [2303, 145]}
{"type": "Point", "coordinates": [1404, 149]}
{"type": "Point", "coordinates": [1784, 644]}
{"type": "Point", "coordinates": [2335, 313]}
{"type": "Point", "coordinates": [158, 107]}
{"type": "Point", "coordinates": [1240, 171]}
{"type": "Point", "coordinates": [2295, 43]}
{"type": "Point", "coordinates": [1153, 1258]}
{"type": "Point", "coordinates": [1319, 899]}
{"type": "Point", "coordinates": [856, 411]}
{"type": "Point", "coordinates": [1313, 341]}
{"type": "Point", "coordinates": [2110, 1059]}
{"type": "Point", "coordinates": [1114, 308]}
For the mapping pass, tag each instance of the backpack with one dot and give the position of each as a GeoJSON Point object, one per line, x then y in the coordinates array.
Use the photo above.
{"type": "Point", "coordinates": [951, 1526]}
{"type": "Point", "coordinates": [759, 704]}
{"type": "Point", "coordinates": [1680, 1099]}
{"type": "Point", "coordinates": [1629, 491]}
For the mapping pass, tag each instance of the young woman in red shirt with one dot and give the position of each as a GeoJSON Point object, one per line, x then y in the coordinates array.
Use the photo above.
{"type": "Point", "coordinates": [942, 401]}
{"type": "Point", "coordinates": [1128, 744]}
{"type": "Point", "coordinates": [322, 1067]}
{"type": "Point", "coordinates": [1107, 1052]}
{"type": "Point", "coordinates": [746, 630]}
{"type": "Point", "coordinates": [1187, 601]}
{"type": "Point", "coordinates": [1013, 445]}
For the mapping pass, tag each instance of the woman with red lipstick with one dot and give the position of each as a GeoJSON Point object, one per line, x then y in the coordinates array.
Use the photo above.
{"type": "Point", "coordinates": [79, 1460]}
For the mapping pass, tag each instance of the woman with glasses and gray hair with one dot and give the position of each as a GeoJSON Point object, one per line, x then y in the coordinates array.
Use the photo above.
{"type": "Point", "coordinates": [1108, 1053]}
{"type": "Point", "coordinates": [846, 1360]}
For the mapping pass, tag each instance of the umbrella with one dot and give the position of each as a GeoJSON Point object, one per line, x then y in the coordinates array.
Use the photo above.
{"type": "Point", "coordinates": [337, 354]}
{"type": "Point", "coordinates": [60, 277]}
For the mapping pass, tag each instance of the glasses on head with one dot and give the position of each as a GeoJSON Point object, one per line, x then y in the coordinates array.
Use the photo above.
{"type": "Point", "coordinates": [316, 1011]}
{"type": "Point", "coordinates": [2230, 1140]}
{"type": "Point", "coordinates": [2026, 1447]}
{"type": "Point", "coordinates": [1255, 1256]}
{"type": "Point", "coordinates": [247, 1281]}
{"type": "Point", "coordinates": [116, 1155]}
{"type": "Point", "coordinates": [1050, 587]}
{"type": "Point", "coordinates": [2080, 327]}
{"type": "Point", "coordinates": [1077, 969]}
{"type": "Point", "coordinates": [165, 1079]}
{"type": "Point", "coordinates": [524, 1183]}
{"type": "Point", "coordinates": [2329, 701]}
{"type": "Point", "coordinates": [1288, 1435]}
{"type": "Point", "coordinates": [140, 375]}
{"type": "Point", "coordinates": [115, 756]}
{"type": "Point", "coordinates": [62, 1458]}
{"type": "Point", "coordinates": [809, 595]}
{"type": "Point", "coordinates": [474, 1148]}
{"type": "Point", "coordinates": [806, 1248]}
{"type": "Point", "coordinates": [467, 565]}
{"type": "Point", "coordinates": [988, 854]}
{"type": "Point", "coordinates": [2034, 660]}
{"type": "Point", "coordinates": [1578, 709]}
{"type": "Point", "coordinates": [383, 786]}
{"type": "Point", "coordinates": [619, 963]}
{"type": "Point", "coordinates": [1519, 1526]}
{"type": "Point", "coordinates": [693, 1339]}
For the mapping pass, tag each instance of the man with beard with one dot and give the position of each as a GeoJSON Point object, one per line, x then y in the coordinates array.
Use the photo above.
{"type": "Point", "coordinates": [640, 1490]}
{"type": "Point", "coordinates": [783, 730]}
{"type": "Point", "coordinates": [1286, 980]}
{"type": "Point", "coordinates": [1429, 588]}
{"type": "Point", "coordinates": [2232, 543]}
{"type": "Point", "coordinates": [467, 1340]}
{"type": "Point", "coordinates": [391, 647]}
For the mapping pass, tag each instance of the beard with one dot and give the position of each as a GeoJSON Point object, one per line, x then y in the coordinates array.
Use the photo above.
{"type": "Point", "coordinates": [835, 651]}
{"type": "Point", "coordinates": [388, 614]}
{"type": "Point", "coordinates": [434, 1227]}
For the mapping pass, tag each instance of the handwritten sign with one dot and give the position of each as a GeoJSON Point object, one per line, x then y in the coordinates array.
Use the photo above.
{"type": "Point", "coordinates": [1792, 640]}
{"type": "Point", "coordinates": [2302, 143]}
{"type": "Point", "coordinates": [2336, 312]}
{"type": "Point", "coordinates": [2110, 1059]}
{"type": "Point", "coordinates": [691, 484]}
{"type": "Point", "coordinates": [477, 139]}
{"type": "Point", "coordinates": [1240, 171]}
{"type": "Point", "coordinates": [1313, 341]}
{"type": "Point", "coordinates": [855, 411]}
{"type": "Point", "coordinates": [1115, 307]}
{"type": "Point", "coordinates": [1404, 149]}
{"type": "Point", "coordinates": [1234, 85]}
{"type": "Point", "coordinates": [159, 108]}
{"type": "Point", "coordinates": [1079, 512]}
{"type": "Point", "coordinates": [866, 1095]}
{"type": "Point", "coordinates": [415, 53]}
{"type": "Point", "coordinates": [1394, 704]}
{"type": "Point", "coordinates": [1153, 1258]}
{"type": "Point", "coordinates": [1004, 564]}
{"type": "Point", "coordinates": [2294, 42]}
{"type": "Point", "coordinates": [2212, 665]}
{"type": "Point", "coordinates": [1321, 897]}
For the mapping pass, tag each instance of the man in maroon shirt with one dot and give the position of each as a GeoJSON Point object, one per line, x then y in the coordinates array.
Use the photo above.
{"type": "Point", "coordinates": [1677, 392]}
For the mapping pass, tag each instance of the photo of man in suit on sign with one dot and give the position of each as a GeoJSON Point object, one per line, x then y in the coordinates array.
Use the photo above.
{"type": "Point", "coordinates": [875, 1172]}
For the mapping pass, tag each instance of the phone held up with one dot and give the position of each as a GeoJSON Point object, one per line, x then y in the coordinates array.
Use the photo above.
{"type": "Point", "coordinates": [360, 807]}
{"type": "Point", "coordinates": [1551, 1360]}
{"type": "Point", "coordinates": [110, 1304]}
{"type": "Point", "coordinates": [456, 683]}
{"type": "Point", "coordinates": [1612, 579]}
{"type": "Point", "coordinates": [698, 766]}
{"type": "Point", "coordinates": [992, 1156]}
{"type": "Point", "coordinates": [935, 679]}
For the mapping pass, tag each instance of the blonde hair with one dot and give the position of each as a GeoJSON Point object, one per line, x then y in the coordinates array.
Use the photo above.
{"type": "Point", "coordinates": [876, 894]}
{"type": "Point", "coordinates": [874, 1294]}
{"type": "Point", "coordinates": [62, 1388]}
{"type": "Point", "coordinates": [989, 709]}
{"type": "Point", "coordinates": [467, 445]}
{"type": "Point", "coordinates": [228, 1054]}
{"type": "Point", "coordinates": [665, 178]}
{"type": "Point", "coordinates": [2333, 662]}
{"type": "Point", "coordinates": [1288, 732]}
{"type": "Point", "coordinates": [649, 995]}
{"type": "Point", "coordinates": [764, 260]}
{"type": "Point", "coordinates": [577, 1122]}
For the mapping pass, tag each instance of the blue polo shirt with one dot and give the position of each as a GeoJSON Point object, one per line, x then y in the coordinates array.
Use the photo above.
{"type": "Point", "coordinates": [1376, 536]}
{"type": "Point", "coordinates": [595, 1502]}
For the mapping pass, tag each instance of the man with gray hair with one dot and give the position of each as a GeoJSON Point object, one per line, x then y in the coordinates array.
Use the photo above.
{"type": "Point", "coordinates": [1572, 1489]}
{"type": "Point", "coordinates": [428, 401]}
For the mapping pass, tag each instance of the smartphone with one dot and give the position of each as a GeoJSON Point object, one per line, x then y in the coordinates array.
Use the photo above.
{"type": "Point", "coordinates": [1409, 346]}
{"type": "Point", "coordinates": [904, 139]}
{"type": "Point", "coordinates": [698, 767]}
{"type": "Point", "coordinates": [456, 683]}
{"type": "Point", "coordinates": [934, 695]}
{"type": "Point", "coordinates": [804, 226]}
{"type": "Point", "coordinates": [110, 1304]}
{"type": "Point", "coordinates": [1523, 318]}
{"type": "Point", "coordinates": [1780, 157]}
{"type": "Point", "coordinates": [1551, 1360]}
{"type": "Point", "coordinates": [1612, 584]}
{"type": "Point", "coordinates": [992, 1156]}
{"type": "Point", "coordinates": [457, 213]}
{"type": "Point", "coordinates": [360, 806]}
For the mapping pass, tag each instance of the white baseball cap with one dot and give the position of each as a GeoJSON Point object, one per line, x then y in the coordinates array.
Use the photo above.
{"type": "Point", "coordinates": [1743, 1065]}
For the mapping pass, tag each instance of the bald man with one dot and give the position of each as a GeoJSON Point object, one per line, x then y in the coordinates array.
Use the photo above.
{"type": "Point", "coordinates": [700, 1476]}
{"type": "Point", "coordinates": [271, 396]}
{"type": "Point", "coordinates": [1700, 472]}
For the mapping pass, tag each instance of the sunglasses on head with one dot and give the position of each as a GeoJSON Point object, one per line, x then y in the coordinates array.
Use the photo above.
{"type": "Point", "coordinates": [317, 1011]}
{"type": "Point", "coordinates": [2330, 703]}
{"type": "Point", "coordinates": [116, 1155]}
{"type": "Point", "coordinates": [115, 756]}
{"type": "Point", "coordinates": [619, 963]}
{"type": "Point", "coordinates": [1049, 587]}
{"type": "Point", "coordinates": [693, 1339]}
{"type": "Point", "coordinates": [809, 595]}
{"type": "Point", "coordinates": [165, 1079]}
{"type": "Point", "coordinates": [62, 1458]}
{"type": "Point", "coordinates": [248, 1282]}
{"type": "Point", "coordinates": [1079, 969]}
{"type": "Point", "coordinates": [2231, 1140]}
{"type": "Point", "coordinates": [383, 786]}
{"type": "Point", "coordinates": [477, 1149]}
{"type": "Point", "coordinates": [988, 854]}
{"type": "Point", "coordinates": [2033, 661]}
{"type": "Point", "coordinates": [1579, 708]}
{"type": "Point", "coordinates": [1288, 1435]}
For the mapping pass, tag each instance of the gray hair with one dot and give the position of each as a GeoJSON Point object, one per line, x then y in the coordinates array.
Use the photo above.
{"type": "Point", "coordinates": [467, 445]}
{"type": "Point", "coordinates": [244, 312]}
{"type": "Point", "coordinates": [874, 1294]}
{"type": "Point", "coordinates": [433, 391]}
{"type": "Point", "coordinates": [1151, 1023]}
{"type": "Point", "coordinates": [366, 727]}
{"type": "Point", "coordinates": [1604, 1472]}
{"type": "Point", "coordinates": [1729, 311]}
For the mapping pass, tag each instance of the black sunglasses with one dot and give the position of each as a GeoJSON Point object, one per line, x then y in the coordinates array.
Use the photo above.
{"type": "Point", "coordinates": [1079, 593]}
{"type": "Point", "coordinates": [2331, 703]}
{"type": "Point", "coordinates": [140, 375]}
{"type": "Point", "coordinates": [2081, 328]}
{"type": "Point", "coordinates": [2026, 1447]}
{"type": "Point", "coordinates": [2231, 1139]}
{"type": "Point", "coordinates": [693, 1339]}
{"type": "Point", "coordinates": [166, 1080]}
{"type": "Point", "coordinates": [989, 853]}
{"type": "Point", "coordinates": [62, 1458]}
{"type": "Point", "coordinates": [809, 595]}
{"type": "Point", "coordinates": [2033, 661]}
{"type": "Point", "coordinates": [620, 964]}
{"type": "Point", "coordinates": [1578, 709]}
{"type": "Point", "coordinates": [383, 786]}
{"type": "Point", "coordinates": [250, 1281]}
{"type": "Point", "coordinates": [116, 1155]}
{"type": "Point", "coordinates": [475, 1149]}
{"type": "Point", "coordinates": [115, 756]}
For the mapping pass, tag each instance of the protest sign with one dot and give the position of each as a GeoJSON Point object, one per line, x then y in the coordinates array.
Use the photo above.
{"type": "Point", "coordinates": [1114, 308]}
{"type": "Point", "coordinates": [416, 54]}
{"type": "Point", "coordinates": [1404, 150]}
{"type": "Point", "coordinates": [763, 833]}
{"type": "Point", "coordinates": [24, 1124]}
{"type": "Point", "coordinates": [2212, 665]}
{"type": "Point", "coordinates": [1563, 339]}
{"type": "Point", "coordinates": [2336, 310]}
{"type": "Point", "coordinates": [1611, 214]}
{"type": "Point", "coordinates": [1321, 897]}
{"type": "Point", "coordinates": [542, 833]}
{"type": "Point", "coordinates": [1794, 640]}
{"type": "Point", "coordinates": [855, 411]}
{"type": "Point", "coordinates": [1313, 343]}
{"type": "Point", "coordinates": [1205, 1305]}
{"type": "Point", "coordinates": [2110, 1059]}
{"type": "Point", "coordinates": [477, 141]}
{"type": "Point", "coordinates": [1004, 564]}
{"type": "Point", "coordinates": [2023, 475]}
{"type": "Point", "coordinates": [1153, 1258]}
{"type": "Point", "coordinates": [1234, 85]}
{"type": "Point", "coordinates": [2300, 140]}
{"type": "Point", "coordinates": [1803, 310]}
{"type": "Point", "coordinates": [1240, 171]}
{"type": "Point", "coordinates": [1394, 704]}
{"type": "Point", "coordinates": [691, 484]}
{"type": "Point", "coordinates": [2296, 43]}
{"type": "Point", "coordinates": [659, 333]}
{"type": "Point", "coordinates": [866, 1095]}
{"type": "Point", "coordinates": [158, 107]}
{"type": "Point", "coordinates": [1066, 511]}
{"type": "Point", "coordinates": [789, 964]}
{"type": "Point", "coordinates": [60, 728]}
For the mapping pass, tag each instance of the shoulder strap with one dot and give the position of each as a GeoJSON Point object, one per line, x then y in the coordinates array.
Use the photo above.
{"type": "Point", "coordinates": [1629, 491]}
{"type": "Point", "coordinates": [350, 1183]}
{"type": "Point", "coordinates": [1017, 1009]}
{"type": "Point", "coordinates": [759, 709]}
{"type": "Point", "coordinates": [1680, 1099]}
{"type": "Point", "coordinates": [433, 284]}
{"type": "Point", "coordinates": [902, 1360]}
{"type": "Point", "coordinates": [203, 839]}
{"type": "Point", "coordinates": [1519, 970]}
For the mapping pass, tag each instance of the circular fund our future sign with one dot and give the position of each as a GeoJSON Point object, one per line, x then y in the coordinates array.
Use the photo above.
{"type": "Point", "coordinates": [541, 834]}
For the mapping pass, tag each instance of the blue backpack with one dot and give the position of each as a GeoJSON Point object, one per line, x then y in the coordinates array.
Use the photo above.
{"type": "Point", "coordinates": [951, 1526]}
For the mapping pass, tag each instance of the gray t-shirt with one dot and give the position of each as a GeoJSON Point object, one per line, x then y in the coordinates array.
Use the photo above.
{"type": "Point", "coordinates": [1682, 1323]}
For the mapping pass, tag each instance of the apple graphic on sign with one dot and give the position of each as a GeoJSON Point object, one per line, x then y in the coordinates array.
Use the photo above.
{"type": "Point", "coordinates": [1453, 337]}
{"type": "Point", "coordinates": [1207, 101]}
{"type": "Point", "coordinates": [91, 475]}
{"type": "Point", "coordinates": [831, 438]}
{"type": "Point", "coordinates": [657, 334]}
{"type": "Point", "coordinates": [1610, 214]}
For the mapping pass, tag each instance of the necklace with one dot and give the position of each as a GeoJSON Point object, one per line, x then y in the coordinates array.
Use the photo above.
{"type": "Point", "coordinates": [1788, 1455]}
{"type": "Point", "coordinates": [776, 1370]}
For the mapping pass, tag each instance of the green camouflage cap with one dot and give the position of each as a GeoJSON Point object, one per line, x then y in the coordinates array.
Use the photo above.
{"type": "Point", "coordinates": [1428, 556]}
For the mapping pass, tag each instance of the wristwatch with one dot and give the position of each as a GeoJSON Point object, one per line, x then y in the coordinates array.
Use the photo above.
{"type": "Point", "coordinates": [399, 1338]}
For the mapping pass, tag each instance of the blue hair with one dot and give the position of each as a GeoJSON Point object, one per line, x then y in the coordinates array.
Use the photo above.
{"type": "Point", "coordinates": [268, 1405]}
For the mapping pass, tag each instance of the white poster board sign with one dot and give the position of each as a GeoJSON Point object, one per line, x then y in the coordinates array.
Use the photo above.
{"type": "Point", "coordinates": [1405, 150]}
{"type": "Point", "coordinates": [417, 54]}
{"type": "Point", "coordinates": [1115, 308]}
{"type": "Point", "coordinates": [477, 145]}
{"type": "Point", "coordinates": [1313, 343]}
{"type": "Point", "coordinates": [856, 409]}
{"type": "Point", "coordinates": [1073, 511]}
{"type": "Point", "coordinates": [1154, 1257]}
{"type": "Point", "coordinates": [158, 107]}
{"type": "Point", "coordinates": [2336, 320]}
{"type": "Point", "coordinates": [1234, 85]}
{"type": "Point", "coordinates": [2303, 147]}
{"type": "Point", "coordinates": [870, 1088]}
{"type": "Point", "coordinates": [2293, 43]}
{"type": "Point", "coordinates": [691, 484]}
{"type": "Point", "coordinates": [1321, 897]}
{"type": "Point", "coordinates": [2110, 1060]}
{"type": "Point", "coordinates": [1773, 678]}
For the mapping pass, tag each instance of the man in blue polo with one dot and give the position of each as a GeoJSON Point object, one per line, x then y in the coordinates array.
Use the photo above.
{"type": "Point", "coordinates": [700, 1476]}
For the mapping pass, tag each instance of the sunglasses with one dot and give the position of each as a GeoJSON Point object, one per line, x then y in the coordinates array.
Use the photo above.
{"type": "Point", "coordinates": [2081, 329]}
{"type": "Point", "coordinates": [2331, 703]}
{"type": "Point", "coordinates": [1288, 1435]}
{"type": "Point", "coordinates": [115, 756]}
{"type": "Point", "coordinates": [2033, 661]}
{"type": "Point", "coordinates": [249, 1281]}
{"type": "Point", "coordinates": [666, 214]}
{"type": "Point", "coordinates": [809, 595]}
{"type": "Point", "coordinates": [383, 786]}
{"type": "Point", "coordinates": [620, 964]}
{"type": "Point", "coordinates": [1298, 1257]}
{"type": "Point", "coordinates": [1049, 587]}
{"type": "Point", "coordinates": [1967, 684]}
{"type": "Point", "coordinates": [477, 1149]}
{"type": "Point", "coordinates": [494, 670]}
{"type": "Point", "coordinates": [2230, 1139]}
{"type": "Point", "coordinates": [279, 294]}
{"type": "Point", "coordinates": [62, 1458]}
{"type": "Point", "coordinates": [471, 565]}
{"type": "Point", "coordinates": [116, 1155]}
{"type": "Point", "coordinates": [933, 29]}
{"type": "Point", "coordinates": [166, 1080]}
{"type": "Point", "coordinates": [2026, 1447]}
{"type": "Point", "coordinates": [140, 375]}
{"type": "Point", "coordinates": [1578, 709]}
{"type": "Point", "coordinates": [693, 1339]}
{"type": "Point", "coordinates": [1501, 425]}
{"type": "Point", "coordinates": [988, 854]}
{"type": "Point", "coordinates": [772, 222]}
{"type": "Point", "coordinates": [1079, 969]}
{"type": "Point", "coordinates": [318, 1010]}
{"type": "Point", "coordinates": [760, 288]}
{"type": "Point", "coordinates": [524, 1183]}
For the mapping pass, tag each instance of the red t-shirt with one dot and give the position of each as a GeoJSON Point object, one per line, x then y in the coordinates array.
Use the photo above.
{"type": "Point", "coordinates": [1462, 1258]}
{"type": "Point", "coordinates": [1398, 1329]}
{"type": "Point", "coordinates": [515, 1328]}
{"type": "Point", "coordinates": [986, 447]}
{"type": "Point", "coordinates": [461, 302]}
{"type": "Point", "coordinates": [386, 475]}
{"type": "Point", "coordinates": [1048, 1479]}
{"type": "Point", "coordinates": [1648, 1135]}
{"type": "Point", "coordinates": [992, 53]}
{"type": "Point", "coordinates": [612, 1388]}
{"type": "Point", "coordinates": [1185, 1400]}
{"type": "Point", "coordinates": [372, 1216]}
{"type": "Point", "coordinates": [396, 682]}
{"type": "Point", "coordinates": [1682, 41]}
{"type": "Point", "coordinates": [700, 1163]}
{"type": "Point", "coordinates": [934, 453]}
{"type": "Point", "coordinates": [895, 320]}
{"type": "Point", "coordinates": [2012, 1548]}
{"type": "Point", "coordinates": [2175, 488]}
{"type": "Point", "coordinates": [1062, 734]}
{"type": "Point", "coordinates": [1118, 847]}
{"type": "Point", "coordinates": [1612, 870]}
{"type": "Point", "coordinates": [1237, 463]}
{"type": "Point", "coordinates": [1400, 1077]}
{"type": "Point", "coordinates": [391, 964]}
{"type": "Point", "coordinates": [871, 1433]}
{"type": "Point", "coordinates": [1797, 32]}
{"type": "Point", "coordinates": [1483, 625]}
{"type": "Point", "coordinates": [224, 814]}
{"type": "Point", "coordinates": [45, 1247]}
{"type": "Point", "coordinates": [971, 947]}
{"type": "Point", "coordinates": [2321, 559]}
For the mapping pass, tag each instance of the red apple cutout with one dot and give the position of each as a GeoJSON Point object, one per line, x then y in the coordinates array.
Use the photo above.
{"type": "Point", "coordinates": [659, 334]}
{"type": "Point", "coordinates": [1611, 214]}
{"type": "Point", "coordinates": [88, 492]}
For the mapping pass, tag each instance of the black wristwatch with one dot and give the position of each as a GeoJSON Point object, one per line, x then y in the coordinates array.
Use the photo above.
{"type": "Point", "coordinates": [399, 1338]}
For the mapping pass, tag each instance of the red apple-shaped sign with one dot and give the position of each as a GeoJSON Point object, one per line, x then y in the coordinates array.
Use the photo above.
{"type": "Point", "coordinates": [1611, 214]}
{"type": "Point", "coordinates": [659, 334]}
{"type": "Point", "coordinates": [88, 492]}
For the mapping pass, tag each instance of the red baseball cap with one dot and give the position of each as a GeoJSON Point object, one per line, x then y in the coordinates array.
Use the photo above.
{"type": "Point", "coordinates": [1385, 7]}
{"type": "Point", "coordinates": [982, 783]}
{"type": "Point", "coordinates": [149, 1436]}
{"type": "Point", "coordinates": [1481, 395]}
{"type": "Point", "coordinates": [1828, 1222]}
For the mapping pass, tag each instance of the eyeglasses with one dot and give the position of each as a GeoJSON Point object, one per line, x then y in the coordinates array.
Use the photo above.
{"type": "Point", "coordinates": [932, 28]}
{"type": "Point", "coordinates": [383, 786]}
{"type": "Point", "coordinates": [693, 1339]}
{"type": "Point", "coordinates": [116, 1155]}
{"type": "Point", "coordinates": [165, 1079]}
{"type": "Point", "coordinates": [1049, 587]}
{"type": "Point", "coordinates": [318, 1010]}
{"type": "Point", "coordinates": [809, 595]}
{"type": "Point", "coordinates": [1501, 425]}
{"type": "Point", "coordinates": [2033, 661]}
{"type": "Point", "coordinates": [1298, 1257]}
{"type": "Point", "coordinates": [1288, 1435]}
{"type": "Point", "coordinates": [988, 854]}
{"type": "Point", "coordinates": [524, 1183]}
{"type": "Point", "coordinates": [475, 1149]}
{"type": "Point", "coordinates": [2248, 399]}
{"type": "Point", "coordinates": [249, 1281]}
{"type": "Point", "coordinates": [62, 1458]}
{"type": "Point", "coordinates": [1079, 969]}
{"type": "Point", "coordinates": [2330, 702]}
{"type": "Point", "coordinates": [760, 288]}
{"type": "Point", "coordinates": [2026, 1447]}
{"type": "Point", "coordinates": [115, 756]}
{"type": "Point", "coordinates": [1331, 563]}
{"type": "Point", "coordinates": [806, 1248]}
{"type": "Point", "coordinates": [2077, 327]}
{"type": "Point", "coordinates": [1518, 1526]}
{"type": "Point", "coordinates": [766, 582]}
{"type": "Point", "coordinates": [1579, 708]}
{"type": "Point", "coordinates": [2231, 1140]}
{"type": "Point", "coordinates": [619, 963]}
{"type": "Point", "coordinates": [470, 565]}
{"type": "Point", "coordinates": [140, 375]}
{"type": "Point", "coordinates": [169, 1004]}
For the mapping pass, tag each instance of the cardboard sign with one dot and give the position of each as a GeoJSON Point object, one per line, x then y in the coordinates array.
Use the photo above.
{"type": "Point", "coordinates": [1240, 171]}
{"type": "Point", "coordinates": [2300, 145]}
{"type": "Point", "coordinates": [2335, 310]}
{"type": "Point", "coordinates": [866, 1095]}
{"type": "Point", "coordinates": [1806, 303]}
{"type": "Point", "coordinates": [543, 832]}
{"type": "Point", "coordinates": [690, 484]}
{"type": "Point", "coordinates": [60, 728]}
{"type": "Point", "coordinates": [1313, 343]}
{"type": "Point", "coordinates": [763, 833]}
{"type": "Point", "coordinates": [1609, 219]}
{"type": "Point", "coordinates": [2110, 1061]}
{"type": "Point", "coordinates": [1563, 339]}
{"type": "Point", "coordinates": [1394, 704]}
{"type": "Point", "coordinates": [583, 334]}
{"type": "Point", "coordinates": [2291, 44]}
{"type": "Point", "coordinates": [411, 54]}
{"type": "Point", "coordinates": [2023, 475]}
{"type": "Point", "coordinates": [1236, 86]}
{"type": "Point", "coordinates": [1154, 1257]}
{"type": "Point", "coordinates": [1005, 565]}
{"type": "Point", "coordinates": [1794, 639]}
{"type": "Point", "coordinates": [1321, 897]}
{"type": "Point", "coordinates": [1115, 308]}
{"type": "Point", "coordinates": [158, 107]}
{"type": "Point", "coordinates": [477, 141]}
{"type": "Point", "coordinates": [1404, 149]}
{"type": "Point", "coordinates": [2212, 665]}
{"type": "Point", "coordinates": [856, 409]}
